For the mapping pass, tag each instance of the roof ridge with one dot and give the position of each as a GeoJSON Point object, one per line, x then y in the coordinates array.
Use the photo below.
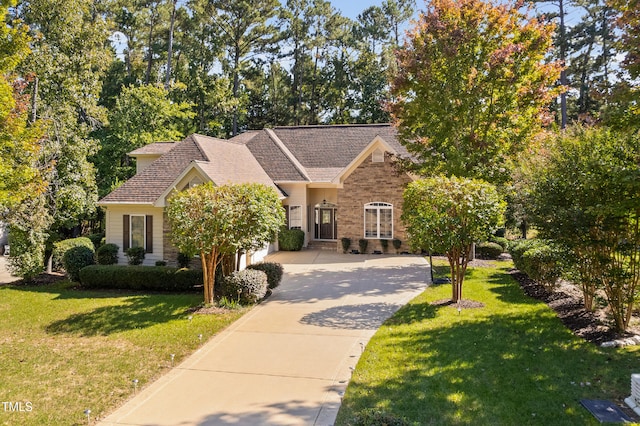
{"type": "Point", "coordinates": [296, 163]}
{"type": "Point", "coordinates": [326, 126]}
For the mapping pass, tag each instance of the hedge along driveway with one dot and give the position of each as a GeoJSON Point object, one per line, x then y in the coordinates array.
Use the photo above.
{"type": "Point", "coordinates": [289, 359]}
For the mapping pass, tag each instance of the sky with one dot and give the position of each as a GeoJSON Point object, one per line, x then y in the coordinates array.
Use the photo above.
{"type": "Point", "coordinates": [352, 8]}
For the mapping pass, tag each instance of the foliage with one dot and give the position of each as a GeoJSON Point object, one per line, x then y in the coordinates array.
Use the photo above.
{"type": "Point", "coordinates": [61, 247]}
{"type": "Point", "coordinates": [447, 215]}
{"type": "Point", "coordinates": [215, 221]}
{"type": "Point", "coordinates": [488, 250]}
{"type": "Point", "coordinates": [585, 195]}
{"type": "Point", "coordinates": [495, 365]}
{"type": "Point", "coordinates": [135, 255]}
{"type": "Point", "coordinates": [544, 263]}
{"type": "Point", "coordinates": [362, 244]}
{"type": "Point", "coordinates": [247, 287]}
{"type": "Point", "coordinates": [184, 260]}
{"type": "Point", "coordinates": [397, 243]}
{"type": "Point", "coordinates": [141, 115]}
{"type": "Point", "coordinates": [107, 254]}
{"type": "Point", "coordinates": [97, 239]}
{"type": "Point", "coordinates": [346, 243]}
{"type": "Point", "coordinates": [472, 87]}
{"type": "Point", "coordinates": [518, 248]}
{"type": "Point", "coordinates": [290, 239]}
{"type": "Point", "coordinates": [28, 224]}
{"type": "Point", "coordinates": [274, 272]}
{"type": "Point", "coordinates": [384, 243]}
{"type": "Point", "coordinates": [156, 278]}
{"type": "Point", "coordinates": [75, 259]}
{"type": "Point", "coordinates": [373, 417]}
{"type": "Point", "coordinates": [502, 241]}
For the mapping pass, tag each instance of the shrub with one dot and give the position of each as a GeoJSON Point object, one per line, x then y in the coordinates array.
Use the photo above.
{"type": "Point", "coordinates": [135, 255]}
{"type": "Point", "coordinates": [396, 244]}
{"type": "Point", "coordinates": [75, 259]}
{"type": "Point", "coordinates": [385, 245]}
{"type": "Point", "coordinates": [372, 417]}
{"type": "Point", "coordinates": [346, 243]}
{"type": "Point", "coordinates": [61, 247]}
{"type": "Point", "coordinates": [488, 250]}
{"type": "Point", "coordinates": [247, 286]}
{"type": "Point", "coordinates": [291, 239]}
{"type": "Point", "coordinates": [161, 263]}
{"type": "Point", "coordinates": [156, 278]}
{"type": "Point", "coordinates": [518, 247]}
{"type": "Point", "coordinates": [107, 254]}
{"type": "Point", "coordinates": [273, 270]}
{"type": "Point", "coordinates": [184, 260]}
{"type": "Point", "coordinates": [96, 239]}
{"type": "Point", "coordinates": [363, 243]}
{"type": "Point", "coordinates": [504, 243]}
{"type": "Point", "coordinates": [543, 263]}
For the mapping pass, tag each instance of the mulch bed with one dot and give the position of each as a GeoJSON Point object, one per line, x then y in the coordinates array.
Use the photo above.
{"type": "Point", "coordinates": [569, 307]}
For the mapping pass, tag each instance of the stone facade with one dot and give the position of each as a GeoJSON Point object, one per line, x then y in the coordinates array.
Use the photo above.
{"type": "Point", "coordinates": [371, 182]}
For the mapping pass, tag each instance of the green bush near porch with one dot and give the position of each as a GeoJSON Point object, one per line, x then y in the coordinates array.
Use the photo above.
{"type": "Point", "coordinates": [290, 239]}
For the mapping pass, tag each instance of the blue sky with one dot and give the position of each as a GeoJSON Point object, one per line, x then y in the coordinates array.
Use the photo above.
{"type": "Point", "coordinates": [352, 8]}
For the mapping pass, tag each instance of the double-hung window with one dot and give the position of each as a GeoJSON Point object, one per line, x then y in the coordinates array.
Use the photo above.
{"type": "Point", "coordinates": [294, 217]}
{"type": "Point", "coordinates": [378, 220]}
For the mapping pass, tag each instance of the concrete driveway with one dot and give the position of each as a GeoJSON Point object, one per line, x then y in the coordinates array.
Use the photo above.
{"type": "Point", "coordinates": [289, 360]}
{"type": "Point", "coordinates": [5, 275]}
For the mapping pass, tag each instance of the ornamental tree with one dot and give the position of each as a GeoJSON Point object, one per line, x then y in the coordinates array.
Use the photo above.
{"type": "Point", "coordinates": [472, 87]}
{"type": "Point", "coordinates": [214, 221]}
{"type": "Point", "coordinates": [448, 215]}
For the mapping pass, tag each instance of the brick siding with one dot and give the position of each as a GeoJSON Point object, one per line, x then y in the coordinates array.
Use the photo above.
{"type": "Point", "coordinates": [369, 183]}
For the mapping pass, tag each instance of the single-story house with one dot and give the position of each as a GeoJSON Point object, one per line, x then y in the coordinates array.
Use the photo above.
{"type": "Point", "coordinates": [334, 181]}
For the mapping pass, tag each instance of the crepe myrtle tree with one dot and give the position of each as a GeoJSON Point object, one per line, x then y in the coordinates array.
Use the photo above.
{"type": "Point", "coordinates": [449, 214]}
{"type": "Point", "coordinates": [214, 221]}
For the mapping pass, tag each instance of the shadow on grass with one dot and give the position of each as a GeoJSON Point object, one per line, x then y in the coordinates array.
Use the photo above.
{"type": "Point", "coordinates": [132, 313]}
{"type": "Point", "coordinates": [507, 369]}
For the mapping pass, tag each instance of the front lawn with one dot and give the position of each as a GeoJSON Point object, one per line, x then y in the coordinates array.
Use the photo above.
{"type": "Point", "coordinates": [509, 362]}
{"type": "Point", "coordinates": [64, 350]}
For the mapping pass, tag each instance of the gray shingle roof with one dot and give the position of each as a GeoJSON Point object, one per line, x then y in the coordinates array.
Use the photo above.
{"type": "Point", "coordinates": [146, 186]}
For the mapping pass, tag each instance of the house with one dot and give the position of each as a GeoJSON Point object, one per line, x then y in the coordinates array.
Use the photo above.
{"type": "Point", "coordinates": [334, 181]}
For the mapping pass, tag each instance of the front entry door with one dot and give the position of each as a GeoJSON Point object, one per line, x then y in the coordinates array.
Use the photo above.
{"type": "Point", "coordinates": [327, 219]}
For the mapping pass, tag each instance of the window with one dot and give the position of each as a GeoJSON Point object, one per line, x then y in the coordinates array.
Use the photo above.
{"type": "Point", "coordinates": [137, 231]}
{"type": "Point", "coordinates": [378, 220]}
{"type": "Point", "coordinates": [295, 217]}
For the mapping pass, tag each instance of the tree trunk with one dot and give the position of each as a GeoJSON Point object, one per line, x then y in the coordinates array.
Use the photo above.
{"type": "Point", "coordinates": [167, 80]}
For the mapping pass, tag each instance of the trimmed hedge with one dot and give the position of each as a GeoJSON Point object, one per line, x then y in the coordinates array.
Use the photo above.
{"type": "Point", "coordinates": [290, 239]}
{"type": "Point", "coordinates": [504, 243]}
{"type": "Point", "coordinates": [157, 278]}
{"type": "Point", "coordinates": [488, 250]}
{"type": "Point", "coordinates": [247, 287]}
{"type": "Point", "coordinates": [77, 258]}
{"type": "Point", "coordinates": [61, 247]}
{"type": "Point", "coordinates": [273, 270]}
{"type": "Point", "coordinates": [107, 254]}
{"type": "Point", "coordinates": [518, 247]}
{"type": "Point", "coordinates": [543, 263]}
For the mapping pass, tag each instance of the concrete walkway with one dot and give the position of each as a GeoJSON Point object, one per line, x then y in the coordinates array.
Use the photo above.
{"type": "Point", "coordinates": [288, 361]}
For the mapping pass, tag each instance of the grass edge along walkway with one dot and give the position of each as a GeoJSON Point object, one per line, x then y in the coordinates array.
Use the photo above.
{"type": "Point", "coordinates": [66, 350]}
{"type": "Point", "coordinates": [509, 362]}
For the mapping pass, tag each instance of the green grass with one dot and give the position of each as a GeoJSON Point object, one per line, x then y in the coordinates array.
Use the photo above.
{"type": "Point", "coordinates": [509, 363]}
{"type": "Point", "coordinates": [65, 350]}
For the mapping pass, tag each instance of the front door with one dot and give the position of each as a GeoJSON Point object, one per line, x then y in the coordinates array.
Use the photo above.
{"type": "Point", "coordinates": [327, 220]}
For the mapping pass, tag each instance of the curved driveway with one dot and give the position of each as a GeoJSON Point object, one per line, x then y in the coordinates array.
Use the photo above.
{"type": "Point", "coordinates": [288, 361]}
